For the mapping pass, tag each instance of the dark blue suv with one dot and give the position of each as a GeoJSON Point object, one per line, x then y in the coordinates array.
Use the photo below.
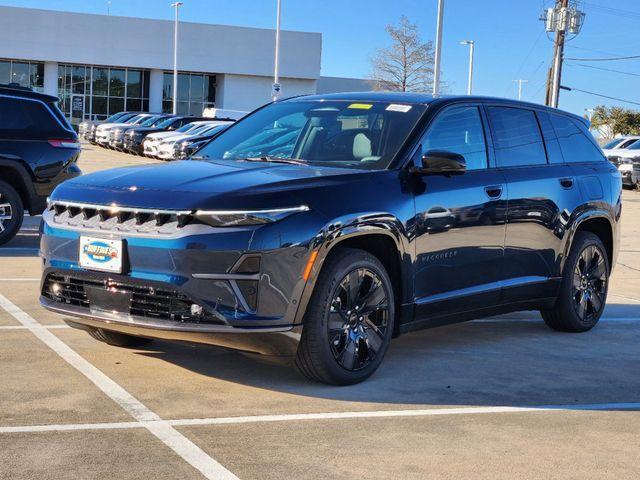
{"type": "Point", "coordinates": [318, 228]}
{"type": "Point", "coordinates": [38, 151]}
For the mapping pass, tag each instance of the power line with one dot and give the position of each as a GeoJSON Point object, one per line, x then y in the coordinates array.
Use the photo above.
{"type": "Point", "coordinates": [600, 95]}
{"type": "Point", "coordinates": [604, 69]}
{"type": "Point", "coordinates": [613, 11]}
{"type": "Point", "coordinates": [630, 57]}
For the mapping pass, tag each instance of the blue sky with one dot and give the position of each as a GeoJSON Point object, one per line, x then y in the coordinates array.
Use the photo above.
{"type": "Point", "coordinates": [510, 41]}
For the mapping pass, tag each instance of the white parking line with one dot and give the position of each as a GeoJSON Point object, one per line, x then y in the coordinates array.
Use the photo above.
{"type": "Point", "coordinates": [148, 419]}
{"type": "Point", "coordinates": [19, 279]}
{"type": "Point", "coordinates": [22, 327]}
{"type": "Point", "coordinates": [295, 417]}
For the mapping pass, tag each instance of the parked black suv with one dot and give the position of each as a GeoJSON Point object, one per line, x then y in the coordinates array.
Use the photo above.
{"type": "Point", "coordinates": [134, 136]}
{"type": "Point", "coordinates": [317, 228]}
{"type": "Point", "coordinates": [38, 150]}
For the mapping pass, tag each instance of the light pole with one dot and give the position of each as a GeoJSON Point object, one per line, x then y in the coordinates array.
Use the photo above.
{"type": "Point", "coordinates": [520, 82]}
{"type": "Point", "coordinates": [277, 89]}
{"type": "Point", "coordinates": [438, 53]}
{"type": "Point", "coordinates": [175, 5]}
{"type": "Point", "coordinates": [471, 46]}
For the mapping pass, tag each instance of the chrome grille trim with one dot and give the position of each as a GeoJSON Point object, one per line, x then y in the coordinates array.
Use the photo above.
{"type": "Point", "coordinates": [117, 219]}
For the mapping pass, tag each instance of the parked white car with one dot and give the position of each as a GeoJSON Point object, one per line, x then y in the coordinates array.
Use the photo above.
{"type": "Point", "coordinates": [151, 142]}
{"type": "Point", "coordinates": [620, 143]}
{"type": "Point", "coordinates": [167, 148]}
{"type": "Point", "coordinates": [628, 162]}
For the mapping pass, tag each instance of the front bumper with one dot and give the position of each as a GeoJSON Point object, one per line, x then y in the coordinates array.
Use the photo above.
{"type": "Point", "coordinates": [197, 265]}
{"type": "Point", "coordinates": [132, 144]}
{"type": "Point", "coordinates": [269, 341]}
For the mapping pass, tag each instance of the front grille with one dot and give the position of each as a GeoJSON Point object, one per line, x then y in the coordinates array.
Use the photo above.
{"type": "Point", "coordinates": [120, 219]}
{"type": "Point", "coordinates": [140, 300]}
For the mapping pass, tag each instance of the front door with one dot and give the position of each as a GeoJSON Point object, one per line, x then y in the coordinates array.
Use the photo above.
{"type": "Point", "coordinates": [460, 221]}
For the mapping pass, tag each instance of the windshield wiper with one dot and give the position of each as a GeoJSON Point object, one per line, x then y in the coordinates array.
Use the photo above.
{"type": "Point", "coordinates": [266, 158]}
{"type": "Point", "coordinates": [199, 157]}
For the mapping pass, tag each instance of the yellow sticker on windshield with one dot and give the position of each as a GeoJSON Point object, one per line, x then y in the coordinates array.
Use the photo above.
{"type": "Point", "coordinates": [360, 106]}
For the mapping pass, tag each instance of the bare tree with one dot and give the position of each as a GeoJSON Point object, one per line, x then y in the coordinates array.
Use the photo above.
{"type": "Point", "coordinates": [406, 65]}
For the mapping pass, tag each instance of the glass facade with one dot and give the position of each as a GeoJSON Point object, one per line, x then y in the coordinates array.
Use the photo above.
{"type": "Point", "coordinates": [105, 90]}
{"type": "Point", "coordinates": [196, 91]}
{"type": "Point", "coordinates": [25, 74]}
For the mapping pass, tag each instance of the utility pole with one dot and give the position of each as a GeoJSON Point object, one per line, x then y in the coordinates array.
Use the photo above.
{"type": "Point", "coordinates": [520, 81]}
{"type": "Point", "coordinates": [175, 5]}
{"type": "Point", "coordinates": [277, 88]}
{"type": "Point", "coordinates": [471, 44]}
{"type": "Point", "coordinates": [438, 53]}
{"type": "Point", "coordinates": [564, 17]}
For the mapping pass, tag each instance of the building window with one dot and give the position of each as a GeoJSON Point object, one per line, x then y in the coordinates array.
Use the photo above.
{"type": "Point", "coordinates": [25, 74]}
{"type": "Point", "coordinates": [196, 92]}
{"type": "Point", "coordinates": [107, 90]}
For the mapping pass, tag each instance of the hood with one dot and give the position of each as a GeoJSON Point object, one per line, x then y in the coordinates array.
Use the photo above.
{"type": "Point", "coordinates": [194, 184]}
{"type": "Point", "coordinates": [106, 126]}
{"type": "Point", "coordinates": [162, 135]}
{"type": "Point", "coordinates": [176, 138]}
{"type": "Point", "coordinates": [622, 152]}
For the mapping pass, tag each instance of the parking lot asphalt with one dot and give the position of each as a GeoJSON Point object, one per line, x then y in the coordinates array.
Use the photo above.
{"type": "Point", "coordinates": [499, 398]}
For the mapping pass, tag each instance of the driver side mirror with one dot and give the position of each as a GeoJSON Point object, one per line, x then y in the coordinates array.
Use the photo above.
{"type": "Point", "coordinates": [442, 162]}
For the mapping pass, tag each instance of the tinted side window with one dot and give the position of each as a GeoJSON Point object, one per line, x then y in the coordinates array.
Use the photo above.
{"type": "Point", "coordinates": [459, 130]}
{"type": "Point", "coordinates": [517, 138]}
{"type": "Point", "coordinates": [575, 145]}
{"type": "Point", "coordinates": [550, 140]}
{"type": "Point", "coordinates": [25, 119]}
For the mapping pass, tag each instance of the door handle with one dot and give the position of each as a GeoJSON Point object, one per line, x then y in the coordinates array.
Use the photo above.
{"type": "Point", "coordinates": [493, 191]}
{"type": "Point", "coordinates": [566, 182]}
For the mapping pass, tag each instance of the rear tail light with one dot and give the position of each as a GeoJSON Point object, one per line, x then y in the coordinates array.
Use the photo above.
{"type": "Point", "coordinates": [64, 143]}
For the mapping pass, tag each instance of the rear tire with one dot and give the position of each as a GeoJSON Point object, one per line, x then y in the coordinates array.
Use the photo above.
{"type": "Point", "coordinates": [11, 212]}
{"type": "Point", "coordinates": [349, 321]}
{"type": "Point", "coordinates": [118, 339]}
{"type": "Point", "coordinates": [583, 290]}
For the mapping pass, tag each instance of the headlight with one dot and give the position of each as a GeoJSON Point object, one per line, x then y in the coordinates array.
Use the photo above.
{"type": "Point", "coordinates": [235, 218]}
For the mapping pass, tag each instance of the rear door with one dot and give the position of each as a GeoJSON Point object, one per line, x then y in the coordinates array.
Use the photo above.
{"type": "Point", "coordinates": [541, 197]}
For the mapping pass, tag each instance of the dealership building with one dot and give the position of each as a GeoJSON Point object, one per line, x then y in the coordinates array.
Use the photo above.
{"type": "Point", "coordinates": [99, 64]}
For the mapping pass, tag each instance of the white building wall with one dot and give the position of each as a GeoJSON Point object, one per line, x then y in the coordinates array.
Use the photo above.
{"type": "Point", "coordinates": [46, 35]}
{"type": "Point", "coordinates": [242, 92]}
{"type": "Point", "coordinates": [156, 78]}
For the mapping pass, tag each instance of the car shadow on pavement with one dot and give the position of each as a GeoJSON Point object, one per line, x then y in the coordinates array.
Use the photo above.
{"type": "Point", "coordinates": [504, 361]}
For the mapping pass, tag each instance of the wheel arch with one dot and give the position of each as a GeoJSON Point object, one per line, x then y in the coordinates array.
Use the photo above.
{"type": "Point", "coordinates": [384, 240]}
{"type": "Point", "coordinates": [598, 223]}
{"type": "Point", "coordinates": [16, 175]}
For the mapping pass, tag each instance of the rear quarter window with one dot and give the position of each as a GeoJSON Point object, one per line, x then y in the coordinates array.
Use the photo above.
{"type": "Point", "coordinates": [28, 120]}
{"type": "Point", "coordinates": [576, 143]}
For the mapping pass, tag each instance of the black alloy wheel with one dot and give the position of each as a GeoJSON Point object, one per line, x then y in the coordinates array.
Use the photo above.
{"type": "Point", "coordinates": [358, 319]}
{"type": "Point", "coordinates": [349, 321]}
{"type": "Point", "coordinates": [583, 289]}
{"type": "Point", "coordinates": [589, 283]}
{"type": "Point", "coordinates": [11, 212]}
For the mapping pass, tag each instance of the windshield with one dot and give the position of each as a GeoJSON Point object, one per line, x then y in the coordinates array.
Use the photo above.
{"type": "Point", "coordinates": [348, 134]}
{"type": "Point", "coordinates": [151, 121]}
{"type": "Point", "coordinates": [167, 122]}
{"type": "Point", "coordinates": [634, 146]}
{"type": "Point", "coordinates": [612, 143]}
{"type": "Point", "coordinates": [116, 116]}
{"type": "Point", "coordinates": [188, 127]}
{"type": "Point", "coordinates": [135, 119]}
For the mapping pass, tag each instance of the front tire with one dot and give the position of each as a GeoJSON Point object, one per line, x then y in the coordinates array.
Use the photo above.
{"type": "Point", "coordinates": [11, 212]}
{"type": "Point", "coordinates": [583, 290]}
{"type": "Point", "coordinates": [117, 339]}
{"type": "Point", "coordinates": [349, 320]}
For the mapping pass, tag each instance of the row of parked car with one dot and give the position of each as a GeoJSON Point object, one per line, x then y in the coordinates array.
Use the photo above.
{"type": "Point", "coordinates": [161, 136]}
{"type": "Point", "coordinates": [624, 152]}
